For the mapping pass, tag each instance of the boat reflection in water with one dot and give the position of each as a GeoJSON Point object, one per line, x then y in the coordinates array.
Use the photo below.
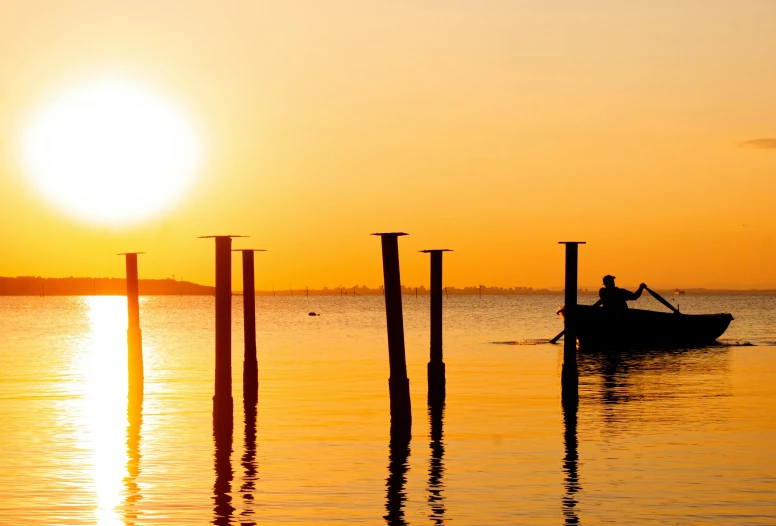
{"type": "Point", "coordinates": [622, 393]}
{"type": "Point", "coordinates": [615, 379]}
{"type": "Point", "coordinates": [436, 468]}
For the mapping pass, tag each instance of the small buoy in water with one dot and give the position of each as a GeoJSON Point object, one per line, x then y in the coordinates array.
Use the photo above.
{"type": "Point", "coordinates": [313, 314]}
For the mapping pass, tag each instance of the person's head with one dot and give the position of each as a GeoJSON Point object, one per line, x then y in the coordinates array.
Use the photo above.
{"type": "Point", "coordinates": [608, 281]}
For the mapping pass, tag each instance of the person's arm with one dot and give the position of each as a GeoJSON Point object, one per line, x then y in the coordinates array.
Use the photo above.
{"type": "Point", "coordinates": [637, 294]}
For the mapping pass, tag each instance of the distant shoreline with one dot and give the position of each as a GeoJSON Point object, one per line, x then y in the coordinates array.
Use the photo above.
{"type": "Point", "coordinates": [37, 286]}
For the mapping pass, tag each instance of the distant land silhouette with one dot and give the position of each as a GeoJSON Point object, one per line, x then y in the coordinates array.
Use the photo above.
{"type": "Point", "coordinates": [36, 286]}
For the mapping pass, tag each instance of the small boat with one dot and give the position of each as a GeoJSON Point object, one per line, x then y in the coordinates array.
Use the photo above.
{"type": "Point", "coordinates": [678, 292]}
{"type": "Point", "coordinates": [600, 329]}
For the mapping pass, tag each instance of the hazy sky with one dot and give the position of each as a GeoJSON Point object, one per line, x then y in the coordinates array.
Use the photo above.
{"type": "Point", "coordinates": [495, 128]}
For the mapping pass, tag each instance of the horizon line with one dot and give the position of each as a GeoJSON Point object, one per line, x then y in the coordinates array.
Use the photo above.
{"type": "Point", "coordinates": [515, 290]}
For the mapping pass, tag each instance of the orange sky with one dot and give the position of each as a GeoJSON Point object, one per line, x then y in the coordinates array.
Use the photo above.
{"type": "Point", "coordinates": [493, 128]}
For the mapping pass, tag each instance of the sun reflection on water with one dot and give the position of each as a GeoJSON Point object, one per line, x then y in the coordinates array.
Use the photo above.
{"type": "Point", "coordinates": [103, 366]}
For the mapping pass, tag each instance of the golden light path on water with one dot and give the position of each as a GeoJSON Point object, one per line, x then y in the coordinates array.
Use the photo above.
{"type": "Point", "coordinates": [102, 365]}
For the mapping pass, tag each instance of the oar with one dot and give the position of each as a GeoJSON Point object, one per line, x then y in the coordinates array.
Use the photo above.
{"type": "Point", "coordinates": [660, 298]}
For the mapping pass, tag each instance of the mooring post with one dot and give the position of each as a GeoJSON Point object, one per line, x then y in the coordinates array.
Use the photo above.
{"type": "Point", "coordinates": [222, 400]}
{"type": "Point", "coordinates": [436, 365]}
{"type": "Point", "coordinates": [250, 361]}
{"type": "Point", "coordinates": [134, 335]}
{"type": "Point", "coordinates": [398, 383]}
{"type": "Point", "coordinates": [569, 374]}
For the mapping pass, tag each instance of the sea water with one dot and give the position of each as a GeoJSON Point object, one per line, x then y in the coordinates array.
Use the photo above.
{"type": "Point", "coordinates": [680, 437]}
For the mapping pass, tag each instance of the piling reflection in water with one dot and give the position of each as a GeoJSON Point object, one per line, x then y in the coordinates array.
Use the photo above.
{"type": "Point", "coordinates": [632, 390]}
{"type": "Point", "coordinates": [132, 496]}
{"type": "Point", "coordinates": [250, 469]}
{"type": "Point", "coordinates": [644, 422]}
{"type": "Point", "coordinates": [436, 468]}
{"type": "Point", "coordinates": [570, 404]}
{"type": "Point", "coordinates": [222, 435]}
{"type": "Point", "coordinates": [398, 456]}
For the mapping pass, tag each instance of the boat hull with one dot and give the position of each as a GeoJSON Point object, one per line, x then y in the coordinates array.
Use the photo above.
{"type": "Point", "coordinates": [601, 329]}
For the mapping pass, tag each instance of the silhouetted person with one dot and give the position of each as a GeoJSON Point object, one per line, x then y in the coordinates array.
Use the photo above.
{"type": "Point", "coordinates": [615, 298]}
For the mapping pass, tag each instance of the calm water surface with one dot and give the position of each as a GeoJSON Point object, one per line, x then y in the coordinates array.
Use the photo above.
{"type": "Point", "coordinates": [683, 437]}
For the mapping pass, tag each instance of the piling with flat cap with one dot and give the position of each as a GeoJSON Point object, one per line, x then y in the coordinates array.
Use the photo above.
{"type": "Point", "coordinates": [250, 362]}
{"type": "Point", "coordinates": [134, 335]}
{"type": "Point", "coordinates": [398, 383]}
{"type": "Point", "coordinates": [569, 375]}
{"type": "Point", "coordinates": [436, 365]}
{"type": "Point", "coordinates": [223, 383]}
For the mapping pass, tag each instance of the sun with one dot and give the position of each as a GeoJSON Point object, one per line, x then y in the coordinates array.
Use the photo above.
{"type": "Point", "coordinates": [110, 151]}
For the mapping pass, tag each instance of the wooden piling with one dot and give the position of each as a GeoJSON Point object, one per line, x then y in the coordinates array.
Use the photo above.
{"type": "Point", "coordinates": [436, 364]}
{"type": "Point", "coordinates": [223, 375]}
{"type": "Point", "coordinates": [569, 375]}
{"type": "Point", "coordinates": [250, 361]}
{"type": "Point", "coordinates": [135, 370]}
{"type": "Point", "coordinates": [398, 383]}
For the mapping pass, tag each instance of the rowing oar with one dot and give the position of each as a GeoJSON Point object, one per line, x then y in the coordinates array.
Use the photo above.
{"type": "Point", "coordinates": [662, 300]}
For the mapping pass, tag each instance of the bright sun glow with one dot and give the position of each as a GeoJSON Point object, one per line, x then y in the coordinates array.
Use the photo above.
{"type": "Point", "coordinates": [111, 151]}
